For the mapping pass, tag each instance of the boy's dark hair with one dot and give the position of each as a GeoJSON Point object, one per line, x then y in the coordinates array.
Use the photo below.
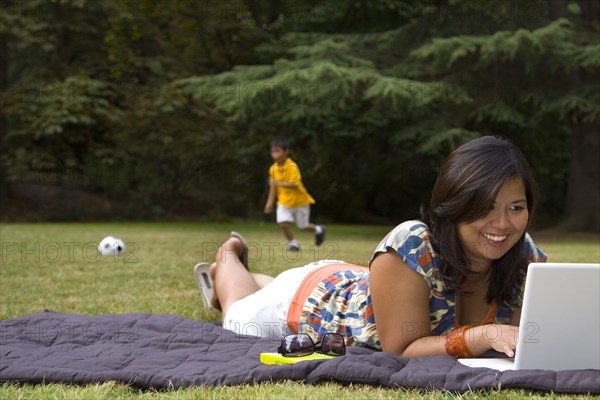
{"type": "Point", "coordinates": [280, 142]}
{"type": "Point", "coordinates": [466, 187]}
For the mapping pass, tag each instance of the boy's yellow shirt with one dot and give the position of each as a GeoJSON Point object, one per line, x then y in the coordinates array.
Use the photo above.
{"type": "Point", "coordinates": [290, 173]}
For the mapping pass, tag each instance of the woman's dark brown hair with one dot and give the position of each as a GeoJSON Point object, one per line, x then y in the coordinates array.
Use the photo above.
{"type": "Point", "coordinates": [465, 190]}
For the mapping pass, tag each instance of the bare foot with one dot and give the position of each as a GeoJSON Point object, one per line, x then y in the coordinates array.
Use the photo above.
{"type": "Point", "coordinates": [232, 247]}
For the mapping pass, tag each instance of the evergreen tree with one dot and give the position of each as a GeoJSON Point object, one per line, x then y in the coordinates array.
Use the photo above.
{"type": "Point", "coordinates": [459, 71]}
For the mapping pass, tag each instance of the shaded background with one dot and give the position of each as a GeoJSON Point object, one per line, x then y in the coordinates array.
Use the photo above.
{"type": "Point", "coordinates": [164, 109]}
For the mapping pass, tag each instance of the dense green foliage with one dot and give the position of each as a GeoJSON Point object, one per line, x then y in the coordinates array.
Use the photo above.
{"type": "Point", "coordinates": [169, 100]}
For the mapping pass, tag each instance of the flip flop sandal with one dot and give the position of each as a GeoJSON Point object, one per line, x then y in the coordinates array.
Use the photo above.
{"type": "Point", "coordinates": [206, 285]}
{"type": "Point", "coordinates": [243, 256]}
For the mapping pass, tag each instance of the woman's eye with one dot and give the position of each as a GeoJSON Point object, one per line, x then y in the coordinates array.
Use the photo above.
{"type": "Point", "coordinates": [515, 208]}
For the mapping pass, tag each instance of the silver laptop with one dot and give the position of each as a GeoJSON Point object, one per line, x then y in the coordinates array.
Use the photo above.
{"type": "Point", "coordinates": [560, 320]}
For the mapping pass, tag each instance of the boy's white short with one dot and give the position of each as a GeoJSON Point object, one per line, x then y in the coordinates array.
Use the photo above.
{"type": "Point", "coordinates": [299, 215]}
{"type": "Point", "coordinates": [264, 313]}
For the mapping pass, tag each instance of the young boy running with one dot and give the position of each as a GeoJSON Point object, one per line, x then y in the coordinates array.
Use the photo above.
{"type": "Point", "coordinates": [293, 201]}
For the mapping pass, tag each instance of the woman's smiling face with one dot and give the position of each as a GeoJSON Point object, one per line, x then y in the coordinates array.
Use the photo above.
{"type": "Point", "coordinates": [493, 235]}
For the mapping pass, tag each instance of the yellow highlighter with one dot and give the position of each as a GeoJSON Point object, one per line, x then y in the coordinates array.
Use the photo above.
{"type": "Point", "coordinates": [278, 359]}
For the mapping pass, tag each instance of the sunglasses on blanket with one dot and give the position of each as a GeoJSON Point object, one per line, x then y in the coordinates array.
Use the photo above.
{"type": "Point", "coordinates": [300, 344]}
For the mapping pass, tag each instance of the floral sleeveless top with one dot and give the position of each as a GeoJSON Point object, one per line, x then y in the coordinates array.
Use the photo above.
{"type": "Point", "coordinates": [342, 302]}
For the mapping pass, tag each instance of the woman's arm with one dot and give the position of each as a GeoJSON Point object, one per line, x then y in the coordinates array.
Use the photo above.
{"type": "Point", "coordinates": [400, 298]}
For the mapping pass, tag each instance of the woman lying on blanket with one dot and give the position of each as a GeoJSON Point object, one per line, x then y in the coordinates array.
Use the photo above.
{"type": "Point", "coordinates": [450, 283]}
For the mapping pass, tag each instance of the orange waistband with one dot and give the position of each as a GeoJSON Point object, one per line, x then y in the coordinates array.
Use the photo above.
{"type": "Point", "coordinates": [307, 286]}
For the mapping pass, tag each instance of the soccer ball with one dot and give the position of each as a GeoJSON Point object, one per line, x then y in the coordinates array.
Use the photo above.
{"type": "Point", "coordinates": [110, 246]}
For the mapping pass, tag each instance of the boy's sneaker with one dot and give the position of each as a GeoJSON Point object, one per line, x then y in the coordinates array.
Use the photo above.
{"type": "Point", "coordinates": [293, 245]}
{"type": "Point", "coordinates": [320, 237]}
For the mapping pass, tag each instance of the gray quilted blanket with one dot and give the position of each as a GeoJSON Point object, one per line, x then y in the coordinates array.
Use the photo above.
{"type": "Point", "coordinates": [158, 351]}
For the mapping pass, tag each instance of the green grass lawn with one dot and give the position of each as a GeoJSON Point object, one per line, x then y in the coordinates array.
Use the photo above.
{"type": "Point", "coordinates": [56, 267]}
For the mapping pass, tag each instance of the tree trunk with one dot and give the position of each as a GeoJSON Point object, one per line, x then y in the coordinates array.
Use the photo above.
{"type": "Point", "coordinates": [3, 88]}
{"type": "Point", "coordinates": [557, 9]}
{"type": "Point", "coordinates": [582, 206]}
{"type": "Point", "coordinates": [582, 203]}
{"type": "Point", "coordinates": [590, 10]}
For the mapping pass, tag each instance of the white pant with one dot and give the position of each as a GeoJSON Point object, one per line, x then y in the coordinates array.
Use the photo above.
{"type": "Point", "coordinates": [264, 313]}
{"type": "Point", "coordinates": [299, 215]}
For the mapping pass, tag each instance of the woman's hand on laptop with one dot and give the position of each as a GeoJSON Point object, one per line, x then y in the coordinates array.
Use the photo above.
{"type": "Point", "coordinates": [501, 338]}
